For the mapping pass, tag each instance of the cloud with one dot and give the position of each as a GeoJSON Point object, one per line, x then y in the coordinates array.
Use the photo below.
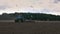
{"type": "Point", "coordinates": [2, 7]}
{"type": "Point", "coordinates": [37, 6]}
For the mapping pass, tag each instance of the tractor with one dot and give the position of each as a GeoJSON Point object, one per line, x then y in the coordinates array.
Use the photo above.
{"type": "Point", "coordinates": [19, 18]}
{"type": "Point", "coordinates": [23, 18]}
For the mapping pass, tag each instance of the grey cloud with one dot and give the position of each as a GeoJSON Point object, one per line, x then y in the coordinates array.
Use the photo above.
{"type": "Point", "coordinates": [3, 7]}
{"type": "Point", "coordinates": [56, 1]}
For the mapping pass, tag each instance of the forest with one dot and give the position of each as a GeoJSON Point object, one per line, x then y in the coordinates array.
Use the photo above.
{"type": "Point", "coordinates": [37, 16]}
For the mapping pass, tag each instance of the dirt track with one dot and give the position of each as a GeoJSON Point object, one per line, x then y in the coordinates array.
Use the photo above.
{"type": "Point", "coordinates": [30, 28]}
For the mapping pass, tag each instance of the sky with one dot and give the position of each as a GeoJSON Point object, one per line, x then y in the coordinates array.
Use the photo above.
{"type": "Point", "coordinates": [32, 6]}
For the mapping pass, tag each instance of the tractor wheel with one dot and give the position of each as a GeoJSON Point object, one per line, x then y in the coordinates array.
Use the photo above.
{"type": "Point", "coordinates": [22, 20]}
{"type": "Point", "coordinates": [16, 20]}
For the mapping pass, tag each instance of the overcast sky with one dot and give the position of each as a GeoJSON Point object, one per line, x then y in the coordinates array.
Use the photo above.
{"type": "Point", "coordinates": [34, 6]}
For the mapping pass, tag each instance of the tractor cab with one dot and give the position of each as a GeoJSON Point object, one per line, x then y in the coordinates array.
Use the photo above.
{"type": "Point", "coordinates": [19, 18]}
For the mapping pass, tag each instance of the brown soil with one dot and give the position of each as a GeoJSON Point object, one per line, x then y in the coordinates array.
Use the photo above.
{"type": "Point", "coordinates": [30, 28]}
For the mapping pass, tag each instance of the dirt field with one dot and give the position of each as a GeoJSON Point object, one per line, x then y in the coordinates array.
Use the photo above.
{"type": "Point", "coordinates": [42, 27]}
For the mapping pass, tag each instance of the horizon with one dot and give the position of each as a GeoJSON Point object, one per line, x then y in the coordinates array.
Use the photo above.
{"type": "Point", "coordinates": [28, 12]}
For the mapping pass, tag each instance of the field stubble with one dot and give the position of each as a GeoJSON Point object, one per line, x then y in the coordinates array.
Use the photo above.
{"type": "Point", "coordinates": [42, 27]}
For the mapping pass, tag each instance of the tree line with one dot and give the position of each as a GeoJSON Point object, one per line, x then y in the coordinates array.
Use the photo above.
{"type": "Point", "coordinates": [38, 16]}
{"type": "Point", "coordinates": [41, 16]}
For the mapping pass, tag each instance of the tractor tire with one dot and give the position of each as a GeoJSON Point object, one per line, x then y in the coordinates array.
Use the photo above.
{"type": "Point", "coordinates": [16, 20]}
{"type": "Point", "coordinates": [22, 20]}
